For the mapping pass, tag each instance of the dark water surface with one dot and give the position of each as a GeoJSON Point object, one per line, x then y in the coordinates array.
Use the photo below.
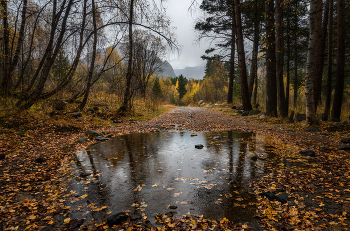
{"type": "Point", "coordinates": [145, 173]}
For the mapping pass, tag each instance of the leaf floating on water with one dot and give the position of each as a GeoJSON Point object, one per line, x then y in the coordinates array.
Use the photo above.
{"type": "Point", "coordinates": [155, 185]}
{"type": "Point", "coordinates": [177, 194]}
{"type": "Point", "coordinates": [183, 202]}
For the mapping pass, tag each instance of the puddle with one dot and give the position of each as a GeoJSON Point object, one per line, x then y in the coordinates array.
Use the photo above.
{"type": "Point", "coordinates": [145, 173]}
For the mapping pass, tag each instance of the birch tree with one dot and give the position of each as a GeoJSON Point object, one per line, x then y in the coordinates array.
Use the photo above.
{"type": "Point", "coordinates": [311, 65]}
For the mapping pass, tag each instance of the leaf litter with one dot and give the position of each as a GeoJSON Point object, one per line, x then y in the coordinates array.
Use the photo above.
{"type": "Point", "coordinates": [32, 194]}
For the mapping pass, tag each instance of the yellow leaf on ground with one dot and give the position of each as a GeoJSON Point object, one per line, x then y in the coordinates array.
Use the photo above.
{"type": "Point", "coordinates": [67, 220]}
{"type": "Point", "coordinates": [31, 217]}
{"type": "Point", "coordinates": [84, 196]}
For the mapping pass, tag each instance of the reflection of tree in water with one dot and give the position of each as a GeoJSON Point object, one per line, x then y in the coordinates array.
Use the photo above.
{"type": "Point", "coordinates": [107, 163]}
{"type": "Point", "coordinates": [127, 162]}
{"type": "Point", "coordinates": [232, 187]}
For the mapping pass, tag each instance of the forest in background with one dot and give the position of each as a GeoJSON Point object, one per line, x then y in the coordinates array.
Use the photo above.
{"type": "Point", "coordinates": [281, 55]}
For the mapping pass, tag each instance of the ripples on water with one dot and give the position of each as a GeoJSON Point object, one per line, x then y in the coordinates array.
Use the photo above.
{"type": "Point", "coordinates": [148, 172]}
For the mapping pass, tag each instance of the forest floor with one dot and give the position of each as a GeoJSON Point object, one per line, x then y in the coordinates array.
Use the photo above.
{"type": "Point", "coordinates": [34, 152]}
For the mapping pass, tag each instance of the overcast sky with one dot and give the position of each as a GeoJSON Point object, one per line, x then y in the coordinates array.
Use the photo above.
{"type": "Point", "coordinates": [182, 19]}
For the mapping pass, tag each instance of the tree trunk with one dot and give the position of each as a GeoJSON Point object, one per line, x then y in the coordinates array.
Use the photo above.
{"type": "Point", "coordinates": [295, 98]}
{"type": "Point", "coordinates": [254, 67]}
{"type": "Point", "coordinates": [311, 65]}
{"type": "Point", "coordinates": [282, 108]}
{"type": "Point", "coordinates": [20, 40]}
{"type": "Point", "coordinates": [327, 108]}
{"type": "Point", "coordinates": [232, 60]}
{"type": "Point", "coordinates": [255, 91]}
{"type": "Point", "coordinates": [319, 50]}
{"type": "Point", "coordinates": [6, 43]}
{"type": "Point", "coordinates": [271, 92]}
{"type": "Point", "coordinates": [92, 64]}
{"type": "Point", "coordinates": [70, 74]}
{"type": "Point", "coordinates": [288, 58]}
{"type": "Point", "coordinates": [339, 82]}
{"type": "Point", "coordinates": [241, 59]}
{"type": "Point", "coordinates": [323, 47]}
{"type": "Point", "coordinates": [51, 55]}
{"type": "Point", "coordinates": [129, 70]}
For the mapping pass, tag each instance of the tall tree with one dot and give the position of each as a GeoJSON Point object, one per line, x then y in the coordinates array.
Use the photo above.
{"type": "Point", "coordinates": [319, 51]}
{"type": "Point", "coordinates": [93, 57]}
{"type": "Point", "coordinates": [271, 93]}
{"type": "Point", "coordinates": [282, 104]}
{"type": "Point", "coordinates": [232, 55]}
{"type": "Point", "coordinates": [327, 108]}
{"type": "Point", "coordinates": [311, 65]}
{"type": "Point", "coordinates": [182, 81]}
{"type": "Point", "coordinates": [219, 25]}
{"type": "Point", "coordinates": [254, 63]}
{"type": "Point", "coordinates": [11, 62]}
{"type": "Point", "coordinates": [288, 51]}
{"type": "Point", "coordinates": [241, 59]}
{"type": "Point", "coordinates": [6, 38]}
{"type": "Point", "coordinates": [339, 82]}
{"type": "Point", "coordinates": [52, 50]}
{"type": "Point", "coordinates": [130, 57]}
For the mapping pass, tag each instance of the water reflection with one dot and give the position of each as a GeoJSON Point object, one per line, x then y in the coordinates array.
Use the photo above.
{"type": "Point", "coordinates": [145, 173]}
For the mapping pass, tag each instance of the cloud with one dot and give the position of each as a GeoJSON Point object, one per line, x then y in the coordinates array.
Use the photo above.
{"type": "Point", "coordinates": [183, 19]}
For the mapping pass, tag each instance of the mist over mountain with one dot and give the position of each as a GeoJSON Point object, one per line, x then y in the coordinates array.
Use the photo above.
{"type": "Point", "coordinates": [167, 70]}
{"type": "Point", "coordinates": [196, 72]}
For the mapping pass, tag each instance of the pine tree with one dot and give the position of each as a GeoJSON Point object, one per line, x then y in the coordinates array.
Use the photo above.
{"type": "Point", "coordinates": [157, 89]}
{"type": "Point", "coordinates": [182, 81]}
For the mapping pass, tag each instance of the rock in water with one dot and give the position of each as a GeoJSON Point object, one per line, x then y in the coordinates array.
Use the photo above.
{"type": "Point", "coordinates": [172, 207]}
{"type": "Point", "coordinates": [308, 153]}
{"type": "Point", "coordinates": [199, 146]}
{"type": "Point", "coordinates": [117, 219]}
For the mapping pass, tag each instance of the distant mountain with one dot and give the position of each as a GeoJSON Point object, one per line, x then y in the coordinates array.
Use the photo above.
{"type": "Point", "coordinates": [196, 72]}
{"type": "Point", "coordinates": [167, 69]}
